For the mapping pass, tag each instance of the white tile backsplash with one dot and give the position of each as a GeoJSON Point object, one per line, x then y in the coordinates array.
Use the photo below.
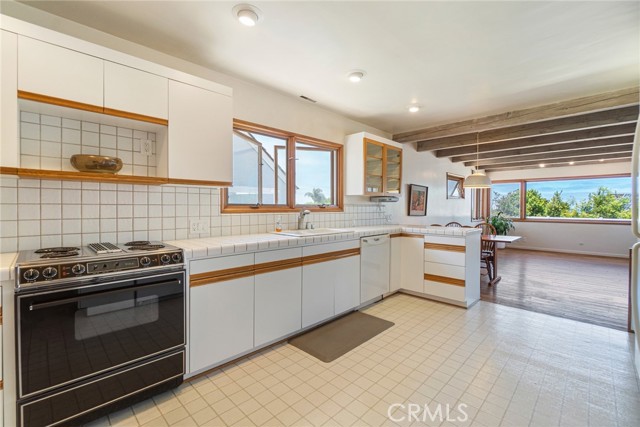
{"type": "Point", "coordinates": [38, 213]}
{"type": "Point", "coordinates": [48, 142]}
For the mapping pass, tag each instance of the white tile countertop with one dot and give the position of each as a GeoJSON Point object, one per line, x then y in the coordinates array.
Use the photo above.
{"type": "Point", "coordinates": [7, 260]}
{"type": "Point", "coordinates": [227, 245]}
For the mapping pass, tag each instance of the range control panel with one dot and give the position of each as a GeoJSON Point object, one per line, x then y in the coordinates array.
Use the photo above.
{"type": "Point", "coordinates": [36, 273]}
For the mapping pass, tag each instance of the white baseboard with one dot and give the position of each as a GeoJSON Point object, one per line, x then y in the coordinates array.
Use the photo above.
{"type": "Point", "coordinates": [567, 251]}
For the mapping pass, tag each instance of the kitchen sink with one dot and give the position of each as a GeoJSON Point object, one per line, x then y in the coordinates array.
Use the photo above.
{"type": "Point", "coordinates": [310, 232]}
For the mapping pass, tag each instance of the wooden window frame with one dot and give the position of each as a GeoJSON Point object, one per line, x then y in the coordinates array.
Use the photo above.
{"type": "Point", "coordinates": [291, 138]}
{"type": "Point", "coordinates": [523, 205]}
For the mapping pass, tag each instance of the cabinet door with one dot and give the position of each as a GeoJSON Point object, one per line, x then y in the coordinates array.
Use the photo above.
{"type": "Point", "coordinates": [373, 167]}
{"type": "Point", "coordinates": [221, 322]}
{"type": "Point", "coordinates": [392, 170]}
{"type": "Point", "coordinates": [200, 134]}
{"type": "Point", "coordinates": [317, 293]}
{"type": "Point", "coordinates": [135, 91]}
{"type": "Point", "coordinates": [278, 304]}
{"type": "Point", "coordinates": [412, 264]}
{"type": "Point", "coordinates": [9, 142]}
{"type": "Point", "coordinates": [395, 268]}
{"type": "Point", "coordinates": [51, 70]}
{"type": "Point", "coordinates": [346, 273]}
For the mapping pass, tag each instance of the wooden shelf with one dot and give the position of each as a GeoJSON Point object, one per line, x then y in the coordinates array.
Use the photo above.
{"type": "Point", "coordinates": [100, 177]}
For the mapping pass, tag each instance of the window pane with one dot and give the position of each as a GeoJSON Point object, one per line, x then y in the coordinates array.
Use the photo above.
{"type": "Point", "coordinates": [597, 198]}
{"type": "Point", "coordinates": [259, 169]}
{"type": "Point", "coordinates": [315, 168]}
{"type": "Point", "coordinates": [505, 198]}
{"type": "Point", "coordinates": [245, 171]}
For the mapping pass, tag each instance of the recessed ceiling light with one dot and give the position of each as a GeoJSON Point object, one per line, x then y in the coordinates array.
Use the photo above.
{"type": "Point", "coordinates": [601, 160]}
{"type": "Point", "coordinates": [542, 165]}
{"type": "Point", "coordinates": [414, 108]}
{"type": "Point", "coordinates": [247, 14]}
{"type": "Point", "coordinates": [356, 75]}
{"type": "Point", "coordinates": [572, 163]}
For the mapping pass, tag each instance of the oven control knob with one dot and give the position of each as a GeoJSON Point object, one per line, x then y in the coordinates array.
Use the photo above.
{"type": "Point", "coordinates": [176, 257]}
{"type": "Point", "coordinates": [145, 261]}
{"type": "Point", "coordinates": [165, 259]}
{"type": "Point", "coordinates": [31, 274]}
{"type": "Point", "coordinates": [78, 269]}
{"type": "Point", "coordinates": [49, 272]}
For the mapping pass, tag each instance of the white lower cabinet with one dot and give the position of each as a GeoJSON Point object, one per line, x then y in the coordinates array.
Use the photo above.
{"type": "Point", "coordinates": [317, 293]}
{"type": "Point", "coordinates": [346, 278]}
{"type": "Point", "coordinates": [221, 321]}
{"type": "Point", "coordinates": [412, 264]}
{"type": "Point", "coordinates": [278, 304]}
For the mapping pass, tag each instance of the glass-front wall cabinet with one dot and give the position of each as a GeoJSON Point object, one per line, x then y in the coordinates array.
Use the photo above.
{"type": "Point", "coordinates": [383, 168]}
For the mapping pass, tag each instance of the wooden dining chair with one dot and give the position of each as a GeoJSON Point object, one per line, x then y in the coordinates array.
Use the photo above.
{"type": "Point", "coordinates": [487, 249]}
{"type": "Point", "coordinates": [453, 224]}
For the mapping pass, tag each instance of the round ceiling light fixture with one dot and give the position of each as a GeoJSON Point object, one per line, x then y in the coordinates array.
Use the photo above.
{"type": "Point", "coordinates": [247, 14]}
{"type": "Point", "coordinates": [542, 165]}
{"type": "Point", "coordinates": [414, 108]}
{"type": "Point", "coordinates": [572, 163]}
{"type": "Point", "coordinates": [356, 75]}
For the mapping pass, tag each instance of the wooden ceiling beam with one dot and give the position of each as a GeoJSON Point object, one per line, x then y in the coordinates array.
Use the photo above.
{"type": "Point", "coordinates": [577, 145]}
{"type": "Point", "coordinates": [604, 101]}
{"type": "Point", "coordinates": [556, 165]}
{"type": "Point", "coordinates": [564, 160]}
{"type": "Point", "coordinates": [583, 134]}
{"type": "Point", "coordinates": [541, 157]}
{"type": "Point", "coordinates": [583, 121]}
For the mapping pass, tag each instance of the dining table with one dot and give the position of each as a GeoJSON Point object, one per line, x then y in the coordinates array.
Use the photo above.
{"type": "Point", "coordinates": [497, 238]}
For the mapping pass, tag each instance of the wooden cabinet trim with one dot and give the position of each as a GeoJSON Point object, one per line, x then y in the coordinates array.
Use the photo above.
{"type": "Point", "coordinates": [52, 100]}
{"type": "Point", "coordinates": [208, 277]}
{"type": "Point", "coordinates": [181, 181]}
{"type": "Point", "coordinates": [415, 236]}
{"type": "Point", "coordinates": [103, 177]}
{"type": "Point", "coordinates": [330, 256]}
{"type": "Point", "coordinates": [443, 247]}
{"type": "Point", "coordinates": [444, 279]}
{"type": "Point", "coordinates": [269, 267]}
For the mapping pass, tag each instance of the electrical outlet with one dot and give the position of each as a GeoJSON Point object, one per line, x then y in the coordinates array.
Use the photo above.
{"type": "Point", "coordinates": [198, 226]}
{"type": "Point", "coordinates": [146, 147]}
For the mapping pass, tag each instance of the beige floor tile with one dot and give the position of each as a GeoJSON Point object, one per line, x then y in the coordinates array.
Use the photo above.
{"type": "Point", "coordinates": [176, 415]}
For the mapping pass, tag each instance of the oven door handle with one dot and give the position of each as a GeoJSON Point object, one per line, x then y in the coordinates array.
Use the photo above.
{"type": "Point", "coordinates": [33, 307]}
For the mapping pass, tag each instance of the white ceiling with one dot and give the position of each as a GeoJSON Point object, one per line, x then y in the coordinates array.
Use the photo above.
{"type": "Point", "coordinates": [457, 59]}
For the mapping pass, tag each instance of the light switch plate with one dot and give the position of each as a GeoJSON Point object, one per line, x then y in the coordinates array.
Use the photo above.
{"type": "Point", "coordinates": [198, 226]}
{"type": "Point", "coordinates": [146, 147]}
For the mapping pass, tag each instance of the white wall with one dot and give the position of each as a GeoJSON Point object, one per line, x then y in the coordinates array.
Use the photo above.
{"type": "Point", "coordinates": [423, 168]}
{"type": "Point", "coordinates": [592, 239]}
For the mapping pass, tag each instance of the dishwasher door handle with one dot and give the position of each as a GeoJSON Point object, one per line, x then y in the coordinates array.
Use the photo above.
{"type": "Point", "coordinates": [375, 240]}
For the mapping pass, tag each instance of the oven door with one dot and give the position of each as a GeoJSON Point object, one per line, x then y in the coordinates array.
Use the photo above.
{"type": "Point", "coordinates": [72, 334]}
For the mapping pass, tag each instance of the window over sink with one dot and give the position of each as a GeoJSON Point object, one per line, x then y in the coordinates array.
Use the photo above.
{"type": "Point", "coordinates": [280, 171]}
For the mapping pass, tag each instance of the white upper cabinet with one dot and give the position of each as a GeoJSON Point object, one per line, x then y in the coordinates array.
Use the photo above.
{"type": "Point", "coordinates": [9, 148]}
{"type": "Point", "coordinates": [54, 71]}
{"type": "Point", "coordinates": [131, 90]}
{"type": "Point", "coordinates": [200, 134]}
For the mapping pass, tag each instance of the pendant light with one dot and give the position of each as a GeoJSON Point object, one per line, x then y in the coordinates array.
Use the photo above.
{"type": "Point", "coordinates": [477, 179]}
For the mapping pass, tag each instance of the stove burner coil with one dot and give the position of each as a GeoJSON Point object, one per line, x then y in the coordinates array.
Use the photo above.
{"type": "Point", "coordinates": [146, 247]}
{"type": "Point", "coordinates": [138, 243]}
{"type": "Point", "coordinates": [61, 249]}
{"type": "Point", "coordinates": [59, 254]}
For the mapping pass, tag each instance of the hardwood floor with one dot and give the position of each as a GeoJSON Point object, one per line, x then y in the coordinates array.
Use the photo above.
{"type": "Point", "coordinates": [585, 288]}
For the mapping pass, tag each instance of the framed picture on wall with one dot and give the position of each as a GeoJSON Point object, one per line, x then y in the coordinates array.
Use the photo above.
{"type": "Point", "coordinates": [418, 200]}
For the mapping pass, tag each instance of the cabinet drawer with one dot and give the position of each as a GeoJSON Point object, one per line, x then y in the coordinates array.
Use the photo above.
{"type": "Point", "coordinates": [51, 70]}
{"type": "Point", "coordinates": [221, 263]}
{"type": "Point", "coordinates": [330, 247]}
{"type": "Point", "coordinates": [444, 240]}
{"type": "Point", "coordinates": [443, 290]}
{"type": "Point", "coordinates": [278, 255]}
{"type": "Point", "coordinates": [444, 257]}
{"type": "Point", "coordinates": [444, 270]}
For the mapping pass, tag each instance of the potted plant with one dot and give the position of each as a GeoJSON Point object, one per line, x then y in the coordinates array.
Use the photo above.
{"type": "Point", "coordinates": [502, 225]}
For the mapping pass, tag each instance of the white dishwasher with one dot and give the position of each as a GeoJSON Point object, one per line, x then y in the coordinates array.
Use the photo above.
{"type": "Point", "coordinates": [374, 266]}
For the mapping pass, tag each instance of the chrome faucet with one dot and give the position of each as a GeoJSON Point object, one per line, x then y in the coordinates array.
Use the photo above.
{"type": "Point", "coordinates": [301, 215]}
